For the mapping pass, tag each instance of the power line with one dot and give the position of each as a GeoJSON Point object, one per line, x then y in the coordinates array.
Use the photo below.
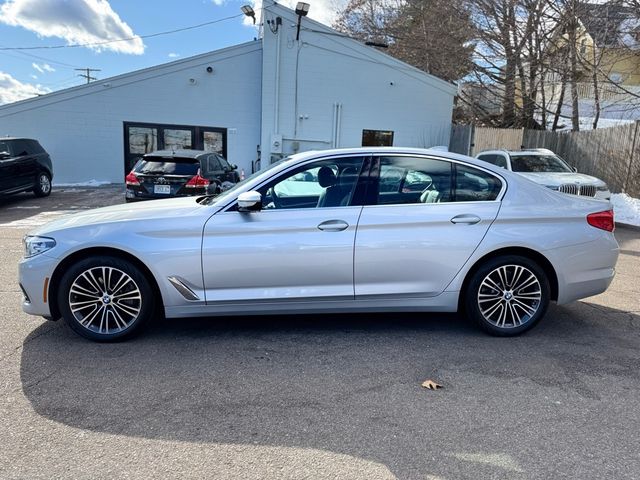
{"type": "Point", "coordinates": [106, 42]}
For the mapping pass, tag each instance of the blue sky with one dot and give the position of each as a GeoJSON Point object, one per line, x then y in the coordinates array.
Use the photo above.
{"type": "Point", "coordinates": [40, 23]}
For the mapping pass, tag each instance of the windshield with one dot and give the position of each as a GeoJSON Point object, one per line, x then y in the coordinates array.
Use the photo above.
{"type": "Point", "coordinates": [228, 194]}
{"type": "Point", "coordinates": [538, 163]}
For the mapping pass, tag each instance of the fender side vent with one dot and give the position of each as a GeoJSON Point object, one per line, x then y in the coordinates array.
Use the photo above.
{"type": "Point", "coordinates": [184, 290]}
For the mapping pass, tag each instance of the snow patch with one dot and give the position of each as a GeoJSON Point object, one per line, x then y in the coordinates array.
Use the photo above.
{"type": "Point", "coordinates": [626, 209]}
{"type": "Point", "coordinates": [90, 183]}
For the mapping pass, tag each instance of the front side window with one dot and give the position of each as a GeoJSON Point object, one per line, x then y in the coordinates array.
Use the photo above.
{"type": "Point", "coordinates": [321, 184]}
{"type": "Point", "coordinates": [407, 180]}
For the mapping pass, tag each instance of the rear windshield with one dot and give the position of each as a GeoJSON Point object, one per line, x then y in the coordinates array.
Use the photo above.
{"type": "Point", "coordinates": [538, 163]}
{"type": "Point", "coordinates": [160, 166]}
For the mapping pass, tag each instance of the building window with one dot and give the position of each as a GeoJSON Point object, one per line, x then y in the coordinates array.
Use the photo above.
{"type": "Point", "coordinates": [377, 138]}
{"type": "Point", "coordinates": [176, 139]}
{"type": "Point", "coordinates": [141, 138]}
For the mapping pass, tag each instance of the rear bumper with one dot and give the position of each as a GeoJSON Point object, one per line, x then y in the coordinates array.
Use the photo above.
{"type": "Point", "coordinates": [586, 269]}
{"type": "Point", "coordinates": [132, 195]}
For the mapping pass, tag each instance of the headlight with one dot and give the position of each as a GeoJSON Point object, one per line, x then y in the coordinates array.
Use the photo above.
{"type": "Point", "coordinates": [603, 188]}
{"type": "Point", "coordinates": [553, 187]}
{"type": "Point", "coordinates": [36, 245]}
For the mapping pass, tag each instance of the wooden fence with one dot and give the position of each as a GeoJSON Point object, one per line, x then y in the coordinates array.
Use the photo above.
{"type": "Point", "coordinates": [612, 154]}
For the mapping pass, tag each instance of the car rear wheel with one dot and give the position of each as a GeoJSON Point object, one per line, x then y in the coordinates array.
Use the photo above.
{"type": "Point", "coordinates": [42, 187]}
{"type": "Point", "coordinates": [105, 298]}
{"type": "Point", "coordinates": [507, 295]}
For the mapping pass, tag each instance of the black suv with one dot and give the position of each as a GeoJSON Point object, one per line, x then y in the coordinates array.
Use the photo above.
{"type": "Point", "coordinates": [24, 167]}
{"type": "Point", "coordinates": [176, 173]}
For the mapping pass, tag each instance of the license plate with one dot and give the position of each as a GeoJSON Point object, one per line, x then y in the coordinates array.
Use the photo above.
{"type": "Point", "coordinates": [162, 189]}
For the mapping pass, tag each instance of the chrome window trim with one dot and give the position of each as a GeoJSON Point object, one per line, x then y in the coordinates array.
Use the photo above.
{"type": "Point", "coordinates": [372, 155]}
{"type": "Point", "coordinates": [503, 182]}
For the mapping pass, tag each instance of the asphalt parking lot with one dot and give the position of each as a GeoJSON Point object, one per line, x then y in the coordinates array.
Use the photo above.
{"type": "Point", "coordinates": [333, 396]}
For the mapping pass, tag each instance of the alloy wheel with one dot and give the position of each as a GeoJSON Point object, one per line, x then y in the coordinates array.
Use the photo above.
{"type": "Point", "coordinates": [509, 296]}
{"type": "Point", "coordinates": [105, 300]}
{"type": "Point", "coordinates": [45, 183]}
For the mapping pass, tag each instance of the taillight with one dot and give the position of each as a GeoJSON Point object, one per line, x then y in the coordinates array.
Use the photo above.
{"type": "Point", "coordinates": [131, 179]}
{"type": "Point", "coordinates": [603, 220]}
{"type": "Point", "coordinates": [197, 181]}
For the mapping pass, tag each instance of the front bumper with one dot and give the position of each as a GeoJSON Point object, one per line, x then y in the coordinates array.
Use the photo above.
{"type": "Point", "coordinates": [34, 276]}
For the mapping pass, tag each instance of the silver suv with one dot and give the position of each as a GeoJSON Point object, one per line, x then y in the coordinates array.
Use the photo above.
{"type": "Point", "coordinates": [548, 169]}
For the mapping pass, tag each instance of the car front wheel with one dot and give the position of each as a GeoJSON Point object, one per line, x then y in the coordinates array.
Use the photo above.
{"type": "Point", "coordinates": [507, 295]}
{"type": "Point", "coordinates": [42, 187]}
{"type": "Point", "coordinates": [105, 298]}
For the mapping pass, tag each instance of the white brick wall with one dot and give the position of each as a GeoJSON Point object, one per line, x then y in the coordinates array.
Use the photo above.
{"type": "Point", "coordinates": [377, 92]}
{"type": "Point", "coordinates": [82, 128]}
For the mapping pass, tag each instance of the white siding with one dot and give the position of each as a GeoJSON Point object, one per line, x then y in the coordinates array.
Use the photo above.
{"type": "Point", "coordinates": [376, 91]}
{"type": "Point", "coordinates": [82, 128]}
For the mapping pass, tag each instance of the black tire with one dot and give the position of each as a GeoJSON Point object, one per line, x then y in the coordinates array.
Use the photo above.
{"type": "Point", "coordinates": [115, 319]}
{"type": "Point", "coordinates": [42, 185]}
{"type": "Point", "coordinates": [497, 310]}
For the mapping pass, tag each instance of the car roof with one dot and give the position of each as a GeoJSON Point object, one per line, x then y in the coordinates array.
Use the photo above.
{"type": "Point", "coordinates": [394, 151]}
{"type": "Point", "coordinates": [178, 153]}
{"type": "Point", "coordinates": [16, 138]}
{"type": "Point", "coordinates": [519, 153]}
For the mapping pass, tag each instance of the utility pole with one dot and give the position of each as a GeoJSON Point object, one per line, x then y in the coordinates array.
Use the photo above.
{"type": "Point", "coordinates": [87, 75]}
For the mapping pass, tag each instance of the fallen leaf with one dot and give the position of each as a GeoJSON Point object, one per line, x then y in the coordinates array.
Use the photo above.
{"type": "Point", "coordinates": [431, 385]}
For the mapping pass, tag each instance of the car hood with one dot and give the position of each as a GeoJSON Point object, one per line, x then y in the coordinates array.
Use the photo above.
{"type": "Point", "coordinates": [128, 212]}
{"type": "Point", "coordinates": [555, 179]}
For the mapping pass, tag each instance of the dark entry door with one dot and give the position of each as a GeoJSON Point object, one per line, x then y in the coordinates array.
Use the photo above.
{"type": "Point", "coordinates": [141, 138]}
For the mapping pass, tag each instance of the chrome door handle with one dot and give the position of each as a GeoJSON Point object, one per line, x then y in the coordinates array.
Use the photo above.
{"type": "Point", "coordinates": [333, 226]}
{"type": "Point", "coordinates": [466, 218]}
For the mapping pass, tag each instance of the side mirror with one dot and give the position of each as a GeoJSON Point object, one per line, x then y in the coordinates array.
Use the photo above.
{"type": "Point", "coordinates": [233, 166]}
{"type": "Point", "coordinates": [250, 202]}
{"type": "Point", "coordinates": [574, 169]}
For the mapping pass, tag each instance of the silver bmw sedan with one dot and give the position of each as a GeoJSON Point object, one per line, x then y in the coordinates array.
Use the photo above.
{"type": "Point", "coordinates": [367, 229]}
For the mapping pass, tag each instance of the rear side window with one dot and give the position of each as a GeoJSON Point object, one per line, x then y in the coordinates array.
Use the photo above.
{"type": "Point", "coordinates": [497, 160]}
{"type": "Point", "coordinates": [175, 166]}
{"type": "Point", "coordinates": [213, 164]}
{"type": "Point", "coordinates": [20, 148]}
{"type": "Point", "coordinates": [35, 147]}
{"type": "Point", "coordinates": [473, 185]}
{"type": "Point", "coordinates": [406, 180]}
{"type": "Point", "coordinates": [414, 180]}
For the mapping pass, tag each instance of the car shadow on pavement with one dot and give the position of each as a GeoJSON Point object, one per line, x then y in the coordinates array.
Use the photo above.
{"type": "Point", "coordinates": [510, 408]}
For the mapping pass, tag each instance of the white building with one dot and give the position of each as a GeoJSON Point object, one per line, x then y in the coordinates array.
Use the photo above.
{"type": "Point", "coordinates": [275, 95]}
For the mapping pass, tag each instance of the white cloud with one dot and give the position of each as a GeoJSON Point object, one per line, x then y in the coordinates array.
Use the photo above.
{"type": "Point", "coordinates": [219, 2]}
{"type": "Point", "coordinates": [35, 77]}
{"type": "Point", "coordinates": [76, 21]}
{"type": "Point", "coordinates": [12, 90]}
{"type": "Point", "coordinates": [43, 67]}
{"type": "Point", "coordinates": [323, 11]}
{"type": "Point", "coordinates": [173, 55]}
